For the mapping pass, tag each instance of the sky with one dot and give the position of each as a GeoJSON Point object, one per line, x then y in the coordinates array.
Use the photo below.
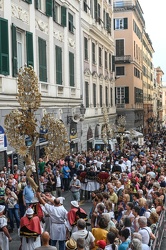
{"type": "Point", "coordinates": [155, 21]}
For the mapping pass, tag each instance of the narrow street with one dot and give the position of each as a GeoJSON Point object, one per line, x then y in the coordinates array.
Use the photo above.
{"type": "Point", "coordinates": [14, 245]}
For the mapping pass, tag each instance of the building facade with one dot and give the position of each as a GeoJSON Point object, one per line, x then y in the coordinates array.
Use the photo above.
{"type": "Point", "coordinates": [43, 34]}
{"type": "Point", "coordinates": [70, 46]}
{"type": "Point", "coordinates": [129, 28]}
{"type": "Point", "coordinates": [98, 67]}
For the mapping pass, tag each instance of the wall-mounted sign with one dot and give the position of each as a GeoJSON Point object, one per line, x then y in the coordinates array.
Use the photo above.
{"type": "Point", "coordinates": [3, 140]}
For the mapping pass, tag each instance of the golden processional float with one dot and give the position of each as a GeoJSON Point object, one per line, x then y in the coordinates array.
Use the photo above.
{"type": "Point", "coordinates": [22, 123]}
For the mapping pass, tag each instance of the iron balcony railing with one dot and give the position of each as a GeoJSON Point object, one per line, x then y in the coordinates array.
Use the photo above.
{"type": "Point", "coordinates": [123, 59]}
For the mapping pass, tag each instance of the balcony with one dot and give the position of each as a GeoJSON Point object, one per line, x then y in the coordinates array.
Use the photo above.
{"type": "Point", "coordinates": [122, 59]}
{"type": "Point", "coordinates": [120, 106]}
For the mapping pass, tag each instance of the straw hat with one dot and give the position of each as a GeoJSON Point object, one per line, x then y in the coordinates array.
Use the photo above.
{"type": "Point", "coordinates": [71, 244]}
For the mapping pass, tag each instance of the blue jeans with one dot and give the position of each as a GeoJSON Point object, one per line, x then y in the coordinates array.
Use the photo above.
{"type": "Point", "coordinates": [13, 212]}
{"type": "Point", "coordinates": [61, 244]}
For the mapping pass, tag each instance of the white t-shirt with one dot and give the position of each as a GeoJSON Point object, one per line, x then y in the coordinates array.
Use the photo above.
{"type": "Point", "coordinates": [145, 232]}
{"type": "Point", "coordinates": [83, 234]}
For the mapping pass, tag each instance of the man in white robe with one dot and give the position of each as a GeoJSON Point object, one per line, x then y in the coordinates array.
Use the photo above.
{"type": "Point", "coordinates": [58, 216]}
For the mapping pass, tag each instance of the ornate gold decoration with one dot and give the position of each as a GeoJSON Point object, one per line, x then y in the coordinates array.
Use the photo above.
{"type": "Point", "coordinates": [22, 123]}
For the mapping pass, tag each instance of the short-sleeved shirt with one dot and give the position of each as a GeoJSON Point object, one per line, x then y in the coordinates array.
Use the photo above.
{"type": "Point", "coordinates": [84, 234]}
{"type": "Point", "coordinates": [124, 245]}
{"type": "Point", "coordinates": [3, 222]}
{"type": "Point", "coordinates": [28, 194]}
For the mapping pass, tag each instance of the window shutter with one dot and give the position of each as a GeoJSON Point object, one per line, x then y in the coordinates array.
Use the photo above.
{"type": "Point", "coordinates": [120, 47]}
{"type": "Point", "coordinates": [37, 4]}
{"type": "Point", "coordinates": [107, 21]}
{"type": "Point", "coordinates": [29, 48]}
{"type": "Point", "coordinates": [42, 60]}
{"type": "Point", "coordinates": [104, 18]}
{"type": "Point", "coordinates": [14, 50]}
{"type": "Point", "coordinates": [115, 96]}
{"type": "Point", "coordinates": [58, 65]}
{"type": "Point", "coordinates": [87, 94]}
{"type": "Point", "coordinates": [71, 23]}
{"type": "Point", "coordinates": [49, 7]}
{"type": "Point", "coordinates": [71, 69]}
{"type": "Point", "coordinates": [94, 95]}
{"type": "Point", "coordinates": [110, 59]}
{"type": "Point", "coordinates": [101, 96]}
{"type": "Point", "coordinates": [98, 15]}
{"type": "Point", "coordinates": [95, 10]}
{"type": "Point", "coordinates": [126, 95]}
{"type": "Point", "coordinates": [125, 23]}
{"type": "Point", "coordinates": [28, 1]}
{"type": "Point", "coordinates": [113, 63]}
{"type": "Point", "coordinates": [85, 48]}
{"type": "Point", "coordinates": [63, 16]}
{"type": "Point", "coordinates": [4, 47]}
{"type": "Point", "coordinates": [114, 24]}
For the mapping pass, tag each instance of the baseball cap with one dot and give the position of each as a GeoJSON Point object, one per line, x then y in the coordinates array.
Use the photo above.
{"type": "Point", "coordinates": [101, 243]}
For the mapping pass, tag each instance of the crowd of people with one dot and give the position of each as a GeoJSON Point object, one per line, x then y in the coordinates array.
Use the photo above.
{"type": "Point", "coordinates": [125, 190]}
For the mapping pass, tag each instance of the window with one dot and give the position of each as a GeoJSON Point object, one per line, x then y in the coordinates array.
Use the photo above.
{"type": "Point", "coordinates": [120, 23]}
{"type": "Point", "coordinates": [93, 53]}
{"type": "Point", "coordinates": [86, 6]}
{"type": "Point", "coordinates": [136, 73]}
{"type": "Point", "coordinates": [41, 6]}
{"type": "Point", "coordinates": [63, 16]}
{"type": "Point", "coordinates": [58, 52]}
{"type": "Point", "coordinates": [120, 71]}
{"type": "Point", "coordinates": [71, 26]}
{"type": "Point", "coordinates": [42, 60]}
{"type": "Point", "coordinates": [94, 94]}
{"type": "Point", "coordinates": [71, 69]}
{"type": "Point", "coordinates": [120, 47]}
{"type": "Point", "coordinates": [20, 50]}
{"type": "Point", "coordinates": [85, 48]}
{"type": "Point", "coordinates": [108, 23]}
{"type": "Point", "coordinates": [56, 12]}
{"type": "Point", "coordinates": [87, 94]}
{"type": "Point", "coordinates": [4, 47]}
{"type": "Point", "coordinates": [106, 96]}
{"type": "Point", "coordinates": [98, 16]}
{"type": "Point", "coordinates": [118, 4]}
{"type": "Point", "coordinates": [138, 95]}
{"type": "Point", "coordinates": [106, 62]}
{"type": "Point", "coordinates": [19, 39]}
{"type": "Point", "coordinates": [122, 95]}
{"type": "Point", "coordinates": [100, 56]}
{"type": "Point", "coordinates": [101, 96]}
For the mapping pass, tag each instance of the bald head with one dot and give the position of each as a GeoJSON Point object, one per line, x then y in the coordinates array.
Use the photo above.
{"type": "Point", "coordinates": [45, 237]}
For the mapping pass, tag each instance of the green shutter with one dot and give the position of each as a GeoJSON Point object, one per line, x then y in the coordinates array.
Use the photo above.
{"type": "Point", "coordinates": [87, 94]}
{"type": "Point", "coordinates": [49, 7]}
{"type": "Point", "coordinates": [71, 69]}
{"type": "Point", "coordinates": [14, 50]}
{"type": "Point", "coordinates": [63, 16]}
{"type": "Point", "coordinates": [126, 95]}
{"type": "Point", "coordinates": [85, 48]}
{"type": "Point", "coordinates": [113, 63]}
{"type": "Point", "coordinates": [110, 60]}
{"type": "Point", "coordinates": [125, 23]}
{"type": "Point", "coordinates": [28, 1]}
{"type": "Point", "coordinates": [107, 21]}
{"type": "Point", "coordinates": [4, 47]}
{"type": "Point", "coordinates": [37, 4]}
{"type": "Point", "coordinates": [29, 48]}
{"type": "Point", "coordinates": [96, 10]}
{"type": "Point", "coordinates": [58, 65]}
{"type": "Point", "coordinates": [42, 60]}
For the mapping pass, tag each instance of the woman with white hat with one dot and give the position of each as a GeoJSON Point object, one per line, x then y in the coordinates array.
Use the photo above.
{"type": "Point", "coordinates": [4, 233]}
